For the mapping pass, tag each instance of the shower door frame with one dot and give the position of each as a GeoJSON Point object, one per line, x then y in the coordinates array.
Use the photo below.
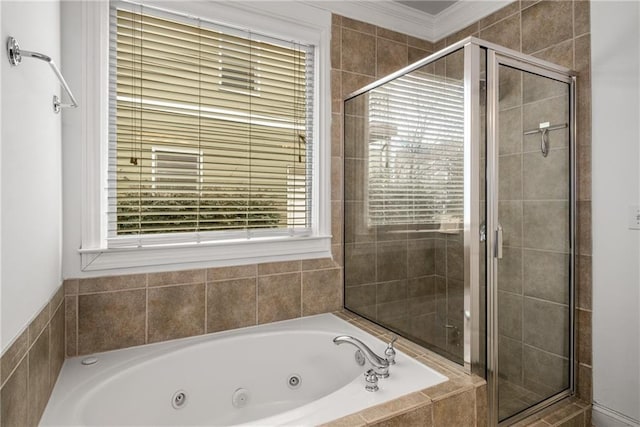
{"type": "Point", "coordinates": [475, 361]}
{"type": "Point", "coordinates": [496, 57]}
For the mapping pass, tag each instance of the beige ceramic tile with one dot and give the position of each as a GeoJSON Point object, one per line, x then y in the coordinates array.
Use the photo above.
{"type": "Point", "coordinates": [546, 178]}
{"type": "Point", "coordinates": [234, 272]}
{"type": "Point", "coordinates": [458, 410]}
{"type": "Point", "coordinates": [336, 178]}
{"type": "Point", "coordinates": [176, 277]}
{"type": "Point", "coordinates": [546, 275]}
{"type": "Point", "coordinates": [71, 286]}
{"type": "Point", "coordinates": [584, 282]}
{"type": "Point", "coordinates": [584, 227]}
{"type": "Point", "coordinates": [358, 26]}
{"type": "Point", "coordinates": [358, 268]}
{"type": "Point", "coordinates": [581, 17]}
{"type": "Point", "coordinates": [508, 10]}
{"type": "Point", "coordinates": [353, 81]}
{"type": "Point", "coordinates": [111, 320]}
{"type": "Point", "coordinates": [39, 372]}
{"type": "Point", "coordinates": [510, 355]}
{"type": "Point", "coordinates": [449, 388]}
{"type": "Point", "coordinates": [175, 312]}
{"type": "Point", "coordinates": [358, 52]}
{"type": "Point", "coordinates": [37, 324]}
{"type": "Point", "coordinates": [231, 304]}
{"type": "Point", "coordinates": [583, 336]}
{"type": "Point", "coordinates": [14, 405]}
{"type": "Point", "coordinates": [542, 233]}
{"type": "Point", "coordinates": [13, 355]}
{"type": "Point", "coordinates": [481, 406]}
{"type": "Point", "coordinates": [391, 261]}
{"type": "Point", "coordinates": [56, 344]}
{"type": "Point", "coordinates": [420, 43]}
{"type": "Point", "coordinates": [56, 300]}
{"type": "Point", "coordinates": [390, 56]}
{"type": "Point", "coordinates": [71, 325]}
{"type": "Point", "coordinates": [545, 24]}
{"type": "Point", "coordinates": [279, 267]}
{"type": "Point", "coordinates": [353, 420]}
{"type": "Point", "coordinates": [421, 416]}
{"type": "Point", "coordinates": [112, 283]}
{"type": "Point", "coordinates": [414, 54]}
{"type": "Point", "coordinates": [391, 35]}
{"type": "Point", "coordinates": [336, 41]}
{"type": "Point", "coordinates": [510, 270]}
{"type": "Point", "coordinates": [546, 326]}
{"type": "Point", "coordinates": [279, 297]}
{"type": "Point", "coordinates": [395, 406]}
{"type": "Point", "coordinates": [560, 54]}
{"type": "Point", "coordinates": [584, 381]}
{"type": "Point", "coordinates": [321, 291]}
{"type": "Point", "coordinates": [505, 33]}
{"type": "Point", "coordinates": [510, 315]}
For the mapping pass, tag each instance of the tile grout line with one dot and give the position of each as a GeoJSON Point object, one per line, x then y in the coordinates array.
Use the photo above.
{"type": "Point", "coordinates": [146, 310]}
{"type": "Point", "coordinates": [77, 321]}
{"type": "Point", "coordinates": [206, 302]}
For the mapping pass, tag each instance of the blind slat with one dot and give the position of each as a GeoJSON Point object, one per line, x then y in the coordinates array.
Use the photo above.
{"type": "Point", "coordinates": [209, 128]}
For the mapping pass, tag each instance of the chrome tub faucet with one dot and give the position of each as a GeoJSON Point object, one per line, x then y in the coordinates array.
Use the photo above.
{"type": "Point", "coordinates": [379, 364]}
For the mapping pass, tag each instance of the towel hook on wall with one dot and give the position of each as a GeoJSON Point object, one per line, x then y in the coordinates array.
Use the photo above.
{"type": "Point", "coordinates": [15, 58]}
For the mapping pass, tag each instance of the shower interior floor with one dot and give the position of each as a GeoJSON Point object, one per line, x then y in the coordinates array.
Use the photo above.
{"type": "Point", "coordinates": [514, 398]}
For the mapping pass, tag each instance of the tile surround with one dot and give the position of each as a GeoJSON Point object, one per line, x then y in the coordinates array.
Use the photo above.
{"type": "Point", "coordinates": [30, 366]}
{"type": "Point", "coordinates": [111, 313]}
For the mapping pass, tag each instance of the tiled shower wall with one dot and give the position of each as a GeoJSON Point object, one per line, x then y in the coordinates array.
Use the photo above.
{"type": "Point", "coordinates": [559, 32]}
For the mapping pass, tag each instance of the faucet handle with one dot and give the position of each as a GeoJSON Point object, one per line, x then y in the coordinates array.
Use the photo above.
{"type": "Point", "coordinates": [390, 352]}
{"type": "Point", "coordinates": [371, 380]}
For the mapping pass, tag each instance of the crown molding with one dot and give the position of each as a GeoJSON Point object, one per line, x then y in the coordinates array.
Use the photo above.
{"type": "Point", "coordinates": [399, 17]}
{"type": "Point", "coordinates": [387, 14]}
{"type": "Point", "coordinates": [462, 14]}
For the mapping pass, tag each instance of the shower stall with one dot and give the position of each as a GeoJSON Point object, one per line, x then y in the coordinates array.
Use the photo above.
{"type": "Point", "coordinates": [459, 207]}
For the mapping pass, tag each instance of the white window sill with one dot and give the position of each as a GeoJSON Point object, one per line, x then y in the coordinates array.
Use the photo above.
{"type": "Point", "coordinates": [204, 255]}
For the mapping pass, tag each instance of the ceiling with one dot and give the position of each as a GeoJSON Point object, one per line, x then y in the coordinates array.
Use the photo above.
{"type": "Point", "coordinates": [432, 7]}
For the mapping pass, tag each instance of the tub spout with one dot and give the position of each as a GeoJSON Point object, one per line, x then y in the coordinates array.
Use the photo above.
{"type": "Point", "coordinates": [380, 365]}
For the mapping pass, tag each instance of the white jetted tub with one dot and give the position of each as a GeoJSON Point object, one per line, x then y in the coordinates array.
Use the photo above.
{"type": "Point", "coordinates": [285, 373]}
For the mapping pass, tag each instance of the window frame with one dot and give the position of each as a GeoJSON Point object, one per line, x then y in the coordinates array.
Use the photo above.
{"type": "Point", "coordinates": [301, 22]}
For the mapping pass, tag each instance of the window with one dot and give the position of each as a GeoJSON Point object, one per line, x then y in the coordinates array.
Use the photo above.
{"type": "Point", "coordinates": [416, 162]}
{"type": "Point", "coordinates": [211, 130]}
{"type": "Point", "coordinates": [210, 146]}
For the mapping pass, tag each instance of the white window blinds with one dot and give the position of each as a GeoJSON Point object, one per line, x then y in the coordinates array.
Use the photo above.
{"type": "Point", "coordinates": [416, 164]}
{"type": "Point", "coordinates": [210, 130]}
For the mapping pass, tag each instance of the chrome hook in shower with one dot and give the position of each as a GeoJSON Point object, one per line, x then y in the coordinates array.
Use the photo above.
{"type": "Point", "coordinates": [544, 129]}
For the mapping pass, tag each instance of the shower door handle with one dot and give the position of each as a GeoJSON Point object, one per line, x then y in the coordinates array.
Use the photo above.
{"type": "Point", "coordinates": [498, 251]}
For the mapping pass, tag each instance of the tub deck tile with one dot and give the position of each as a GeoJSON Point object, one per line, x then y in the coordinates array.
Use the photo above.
{"type": "Point", "coordinates": [353, 420]}
{"type": "Point", "coordinates": [460, 399]}
{"type": "Point", "coordinates": [394, 407]}
{"type": "Point", "coordinates": [447, 389]}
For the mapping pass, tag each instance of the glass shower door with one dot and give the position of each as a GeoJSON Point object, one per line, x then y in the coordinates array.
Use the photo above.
{"type": "Point", "coordinates": [533, 237]}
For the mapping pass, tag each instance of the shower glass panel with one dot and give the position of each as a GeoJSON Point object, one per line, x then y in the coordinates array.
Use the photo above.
{"type": "Point", "coordinates": [404, 205]}
{"type": "Point", "coordinates": [459, 216]}
{"type": "Point", "coordinates": [534, 209]}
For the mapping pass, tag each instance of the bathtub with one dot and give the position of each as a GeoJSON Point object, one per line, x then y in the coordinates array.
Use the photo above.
{"type": "Point", "coordinates": [284, 373]}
